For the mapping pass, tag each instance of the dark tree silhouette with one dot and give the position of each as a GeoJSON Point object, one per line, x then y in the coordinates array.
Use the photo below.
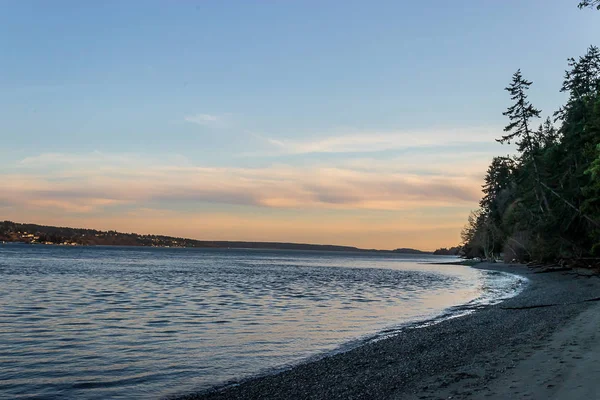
{"type": "Point", "coordinates": [520, 115]}
{"type": "Point", "coordinates": [590, 3]}
{"type": "Point", "coordinates": [519, 129]}
{"type": "Point", "coordinates": [544, 204]}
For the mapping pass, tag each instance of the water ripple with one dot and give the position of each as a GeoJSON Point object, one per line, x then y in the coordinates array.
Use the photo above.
{"type": "Point", "coordinates": [95, 323]}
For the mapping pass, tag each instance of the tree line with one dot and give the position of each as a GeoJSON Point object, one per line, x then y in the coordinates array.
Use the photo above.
{"type": "Point", "coordinates": [543, 204]}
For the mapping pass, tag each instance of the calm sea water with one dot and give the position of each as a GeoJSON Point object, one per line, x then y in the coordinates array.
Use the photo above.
{"type": "Point", "coordinates": [97, 323]}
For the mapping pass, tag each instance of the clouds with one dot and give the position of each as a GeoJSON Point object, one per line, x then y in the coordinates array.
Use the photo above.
{"type": "Point", "coordinates": [364, 142]}
{"type": "Point", "coordinates": [78, 159]}
{"type": "Point", "coordinates": [97, 159]}
{"type": "Point", "coordinates": [381, 182]}
{"type": "Point", "coordinates": [138, 182]}
{"type": "Point", "coordinates": [206, 120]}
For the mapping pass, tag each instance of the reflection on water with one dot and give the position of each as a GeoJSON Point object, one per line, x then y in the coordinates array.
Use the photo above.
{"type": "Point", "coordinates": [145, 323]}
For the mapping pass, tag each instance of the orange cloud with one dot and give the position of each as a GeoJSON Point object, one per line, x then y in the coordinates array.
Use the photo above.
{"type": "Point", "coordinates": [276, 187]}
{"type": "Point", "coordinates": [343, 204]}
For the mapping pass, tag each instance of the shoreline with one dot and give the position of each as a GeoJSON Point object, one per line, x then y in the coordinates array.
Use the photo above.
{"type": "Point", "coordinates": [459, 357]}
{"type": "Point", "coordinates": [286, 247]}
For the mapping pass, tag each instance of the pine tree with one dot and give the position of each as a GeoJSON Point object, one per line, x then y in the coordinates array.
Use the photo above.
{"type": "Point", "coordinates": [521, 115]}
{"type": "Point", "coordinates": [544, 204]}
{"type": "Point", "coordinates": [590, 4]}
{"type": "Point", "coordinates": [579, 133]}
{"type": "Point", "coordinates": [546, 135]}
{"type": "Point", "coordinates": [498, 189]}
{"type": "Point", "coordinates": [498, 179]}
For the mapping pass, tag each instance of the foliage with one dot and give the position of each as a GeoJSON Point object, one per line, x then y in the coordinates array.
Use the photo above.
{"type": "Point", "coordinates": [544, 203]}
{"type": "Point", "coordinates": [452, 251]}
{"type": "Point", "coordinates": [520, 114]}
{"type": "Point", "coordinates": [590, 4]}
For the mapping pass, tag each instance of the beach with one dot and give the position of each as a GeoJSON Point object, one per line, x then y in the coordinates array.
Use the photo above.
{"type": "Point", "coordinates": [540, 344]}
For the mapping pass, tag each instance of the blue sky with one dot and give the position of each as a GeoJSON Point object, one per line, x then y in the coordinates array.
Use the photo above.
{"type": "Point", "coordinates": [279, 117]}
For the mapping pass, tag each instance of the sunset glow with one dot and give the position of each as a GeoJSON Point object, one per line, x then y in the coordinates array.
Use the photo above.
{"type": "Point", "coordinates": [253, 130]}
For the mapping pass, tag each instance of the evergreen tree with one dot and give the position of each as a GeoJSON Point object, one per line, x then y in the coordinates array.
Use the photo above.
{"type": "Point", "coordinates": [497, 181]}
{"type": "Point", "coordinates": [520, 115]}
{"type": "Point", "coordinates": [590, 4]}
{"type": "Point", "coordinates": [469, 234]}
{"type": "Point", "coordinates": [498, 192]}
{"type": "Point", "coordinates": [579, 135]}
{"type": "Point", "coordinates": [546, 136]}
{"type": "Point", "coordinates": [544, 204]}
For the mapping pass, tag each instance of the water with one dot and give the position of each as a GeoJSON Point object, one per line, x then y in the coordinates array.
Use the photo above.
{"type": "Point", "coordinates": [96, 323]}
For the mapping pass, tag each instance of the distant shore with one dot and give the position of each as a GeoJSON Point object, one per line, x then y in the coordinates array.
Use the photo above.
{"type": "Point", "coordinates": [239, 246]}
{"type": "Point", "coordinates": [14, 232]}
{"type": "Point", "coordinates": [527, 346]}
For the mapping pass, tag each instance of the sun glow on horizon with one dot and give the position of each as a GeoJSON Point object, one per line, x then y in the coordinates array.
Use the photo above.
{"type": "Point", "coordinates": [272, 121]}
{"type": "Point", "coordinates": [359, 201]}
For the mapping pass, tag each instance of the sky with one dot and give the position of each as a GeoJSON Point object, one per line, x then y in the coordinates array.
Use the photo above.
{"type": "Point", "coordinates": [362, 123]}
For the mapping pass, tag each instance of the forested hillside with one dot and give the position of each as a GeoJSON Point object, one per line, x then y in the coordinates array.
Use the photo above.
{"type": "Point", "coordinates": [42, 234]}
{"type": "Point", "coordinates": [543, 203]}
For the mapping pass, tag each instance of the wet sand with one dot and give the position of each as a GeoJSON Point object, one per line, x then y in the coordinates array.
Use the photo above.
{"type": "Point", "coordinates": [539, 344]}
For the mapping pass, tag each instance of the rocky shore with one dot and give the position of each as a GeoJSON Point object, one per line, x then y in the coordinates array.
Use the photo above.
{"type": "Point", "coordinates": [523, 347]}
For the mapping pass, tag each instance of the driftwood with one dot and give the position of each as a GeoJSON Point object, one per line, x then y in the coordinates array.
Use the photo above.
{"type": "Point", "coordinates": [551, 304]}
{"type": "Point", "coordinates": [580, 266]}
{"type": "Point", "coordinates": [551, 269]}
{"type": "Point", "coordinates": [530, 307]}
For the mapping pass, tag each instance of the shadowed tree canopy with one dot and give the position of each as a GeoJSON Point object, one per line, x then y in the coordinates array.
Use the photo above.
{"type": "Point", "coordinates": [544, 203]}
{"type": "Point", "coordinates": [497, 180]}
{"type": "Point", "coordinates": [590, 3]}
{"type": "Point", "coordinates": [520, 115]}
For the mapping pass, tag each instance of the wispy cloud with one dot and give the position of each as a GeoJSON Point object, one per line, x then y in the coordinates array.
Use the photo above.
{"type": "Point", "coordinates": [209, 120]}
{"type": "Point", "coordinates": [362, 142]}
{"type": "Point", "coordinates": [134, 180]}
{"type": "Point", "coordinates": [101, 160]}
{"type": "Point", "coordinates": [374, 202]}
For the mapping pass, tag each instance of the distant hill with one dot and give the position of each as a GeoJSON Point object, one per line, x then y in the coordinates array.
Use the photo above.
{"type": "Point", "coordinates": [410, 251]}
{"type": "Point", "coordinates": [41, 234]}
{"type": "Point", "coordinates": [452, 251]}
